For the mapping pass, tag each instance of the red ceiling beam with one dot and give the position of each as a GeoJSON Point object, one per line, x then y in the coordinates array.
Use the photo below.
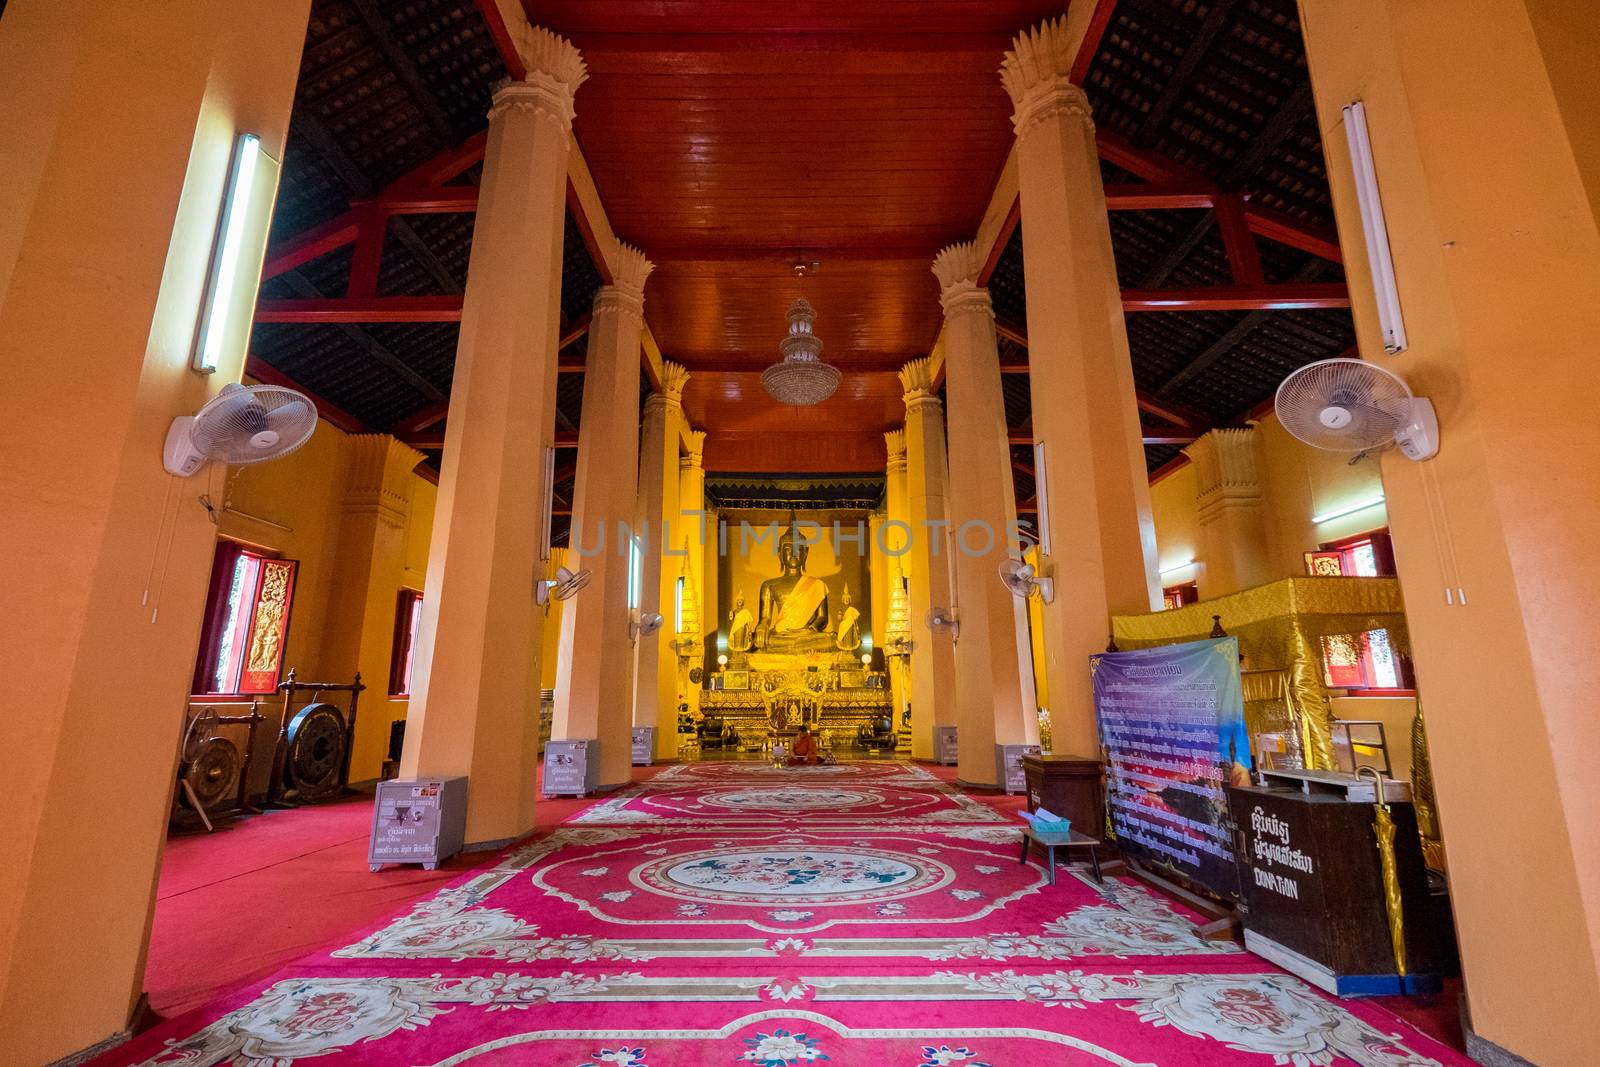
{"type": "Point", "coordinates": [434, 439]}
{"type": "Point", "coordinates": [1234, 298]}
{"type": "Point", "coordinates": [422, 420]}
{"type": "Point", "coordinates": [1176, 414]}
{"type": "Point", "coordinates": [362, 309]}
{"type": "Point", "coordinates": [1177, 462]}
{"type": "Point", "coordinates": [1276, 226]}
{"type": "Point", "coordinates": [412, 193]}
{"type": "Point", "coordinates": [1001, 239]}
{"type": "Point", "coordinates": [428, 200]}
{"type": "Point", "coordinates": [1160, 196]}
{"type": "Point", "coordinates": [1092, 36]}
{"type": "Point", "coordinates": [267, 374]}
{"type": "Point", "coordinates": [307, 245]}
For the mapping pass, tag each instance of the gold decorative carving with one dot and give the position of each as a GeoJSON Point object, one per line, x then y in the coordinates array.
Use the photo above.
{"type": "Point", "coordinates": [694, 450]}
{"type": "Point", "coordinates": [895, 442]}
{"type": "Point", "coordinates": [1037, 73]}
{"type": "Point", "coordinates": [674, 376]}
{"type": "Point", "coordinates": [554, 67]}
{"type": "Point", "coordinates": [916, 378]}
{"type": "Point", "coordinates": [957, 267]}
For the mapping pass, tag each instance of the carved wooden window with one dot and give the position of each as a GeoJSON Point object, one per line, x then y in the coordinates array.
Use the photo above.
{"type": "Point", "coordinates": [246, 623]}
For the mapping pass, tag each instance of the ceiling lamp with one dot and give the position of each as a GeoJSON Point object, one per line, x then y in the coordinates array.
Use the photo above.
{"type": "Point", "coordinates": [802, 379]}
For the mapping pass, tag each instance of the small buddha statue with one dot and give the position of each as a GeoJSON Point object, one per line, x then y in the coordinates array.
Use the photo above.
{"type": "Point", "coordinates": [741, 626]}
{"type": "Point", "coordinates": [847, 627]}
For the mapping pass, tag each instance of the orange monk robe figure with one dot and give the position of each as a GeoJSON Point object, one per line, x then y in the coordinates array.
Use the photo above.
{"type": "Point", "coordinates": [805, 747]}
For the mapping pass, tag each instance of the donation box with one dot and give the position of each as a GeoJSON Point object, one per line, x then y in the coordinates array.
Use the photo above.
{"type": "Point", "coordinates": [945, 750]}
{"type": "Point", "coordinates": [1008, 766]}
{"type": "Point", "coordinates": [417, 820]}
{"type": "Point", "coordinates": [1313, 884]}
{"type": "Point", "coordinates": [644, 745]}
{"type": "Point", "coordinates": [571, 767]}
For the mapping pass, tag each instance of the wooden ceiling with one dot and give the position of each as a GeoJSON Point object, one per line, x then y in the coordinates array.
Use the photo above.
{"type": "Point", "coordinates": [729, 140]}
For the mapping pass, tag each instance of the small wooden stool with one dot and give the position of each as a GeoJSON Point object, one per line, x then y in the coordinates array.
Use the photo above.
{"type": "Point", "coordinates": [1050, 844]}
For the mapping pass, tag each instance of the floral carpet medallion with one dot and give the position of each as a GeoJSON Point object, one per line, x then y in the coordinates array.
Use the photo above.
{"type": "Point", "coordinates": [789, 797]}
{"type": "Point", "coordinates": [882, 942]}
{"type": "Point", "coordinates": [781, 882]}
{"type": "Point", "coordinates": [815, 876]}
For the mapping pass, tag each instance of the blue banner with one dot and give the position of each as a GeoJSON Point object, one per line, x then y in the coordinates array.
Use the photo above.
{"type": "Point", "coordinates": [1172, 722]}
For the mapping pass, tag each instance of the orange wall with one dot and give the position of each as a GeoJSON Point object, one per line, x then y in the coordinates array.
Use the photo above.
{"type": "Point", "coordinates": [302, 500]}
{"type": "Point", "coordinates": [1298, 482]}
{"type": "Point", "coordinates": [117, 129]}
{"type": "Point", "coordinates": [1492, 221]}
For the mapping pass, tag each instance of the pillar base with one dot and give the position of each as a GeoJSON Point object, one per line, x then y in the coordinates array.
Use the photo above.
{"type": "Point", "coordinates": [500, 842]}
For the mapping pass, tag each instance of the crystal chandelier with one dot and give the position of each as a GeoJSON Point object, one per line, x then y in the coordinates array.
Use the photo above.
{"type": "Point", "coordinates": [802, 379]}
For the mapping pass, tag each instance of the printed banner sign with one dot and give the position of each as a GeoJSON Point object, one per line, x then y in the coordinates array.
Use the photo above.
{"type": "Point", "coordinates": [1172, 722]}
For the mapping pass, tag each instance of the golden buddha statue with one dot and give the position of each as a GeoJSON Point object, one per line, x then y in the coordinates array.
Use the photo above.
{"type": "Point", "coordinates": [793, 607]}
{"type": "Point", "coordinates": [740, 625]}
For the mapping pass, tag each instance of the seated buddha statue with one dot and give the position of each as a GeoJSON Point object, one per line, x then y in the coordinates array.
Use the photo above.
{"type": "Point", "coordinates": [793, 607]}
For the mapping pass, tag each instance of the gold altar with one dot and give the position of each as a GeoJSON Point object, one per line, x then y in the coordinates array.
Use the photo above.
{"type": "Point", "coordinates": [1279, 626]}
{"type": "Point", "coordinates": [800, 650]}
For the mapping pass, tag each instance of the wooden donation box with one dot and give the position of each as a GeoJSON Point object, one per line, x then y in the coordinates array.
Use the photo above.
{"type": "Point", "coordinates": [1068, 786]}
{"type": "Point", "coordinates": [417, 820]}
{"type": "Point", "coordinates": [1313, 882]}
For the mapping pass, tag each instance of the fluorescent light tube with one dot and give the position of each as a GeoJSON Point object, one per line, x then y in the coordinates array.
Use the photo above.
{"type": "Point", "coordinates": [1177, 567]}
{"type": "Point", "coordinates": [1041, 496]}
{"type": "Point", "coordinates": [1374, 229]}
{"type": "Point", "coordinates": [1329, 516]}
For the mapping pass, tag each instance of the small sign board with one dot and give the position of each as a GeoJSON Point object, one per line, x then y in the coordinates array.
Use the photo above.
{"type": "Point", "coordinates": [417, 820]}
{"type": "Point", "coordinates": [945, 751]}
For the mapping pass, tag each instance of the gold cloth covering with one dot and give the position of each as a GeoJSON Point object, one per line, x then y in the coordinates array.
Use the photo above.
{"type": "Point", "coordinates": [1279, 626]}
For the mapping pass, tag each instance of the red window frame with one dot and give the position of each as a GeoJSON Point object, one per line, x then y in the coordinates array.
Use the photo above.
{"type": "Point", "coordinates": [407, 616]}
{"type": "Point", "coordinates": [1180, 595]}
{"type": "Point", "coordinates": [234, 625]}
{"type": "Point", "coordinates": [1341, 552]}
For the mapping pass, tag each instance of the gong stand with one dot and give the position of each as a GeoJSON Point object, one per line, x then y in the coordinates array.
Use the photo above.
{"type": "Point", "coordinates": [278, 790]}
{"type": "Point", "coordinates": [241, 799]}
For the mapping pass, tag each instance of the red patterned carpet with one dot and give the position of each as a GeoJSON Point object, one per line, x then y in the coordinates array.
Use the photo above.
{"type": "Point", "coordinates": [867, 914]}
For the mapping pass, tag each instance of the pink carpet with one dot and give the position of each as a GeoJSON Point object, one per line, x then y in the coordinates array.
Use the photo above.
{"type": "Point", "coordinates": [671, 941]}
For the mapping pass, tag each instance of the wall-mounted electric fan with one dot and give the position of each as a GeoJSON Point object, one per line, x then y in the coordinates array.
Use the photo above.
{"type": "Point", "coordinates": [943, 620]}
{"type": "Point", "coordinates": [645, 625]}
{"type": "Point", "coordinates": [241, 424]}
{"type": "Point", "coordinates": [1350, 405]}
{"type": "Point", "coordinates": [565, 584]}
{"type": "Point", "coordinates": [1022, 580]}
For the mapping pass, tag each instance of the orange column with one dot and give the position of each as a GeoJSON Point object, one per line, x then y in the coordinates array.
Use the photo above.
{"type": "Point", "coordinates": [655, 683]}
{"type": "Point", "coordinates": [118, 126]}
{"type": "Point", "coordinates": [595, 686]}
{"type": "Point", "coordinates": [1487, 161]}
{"type": "Point", "coordinates": [474, 709]}
{"type": "Point", "coordinates": [926, 561]}
{"type": "Point", "coordinates": [1093, 484]}
{"type": "Point", "coordinates": [994, 665]}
